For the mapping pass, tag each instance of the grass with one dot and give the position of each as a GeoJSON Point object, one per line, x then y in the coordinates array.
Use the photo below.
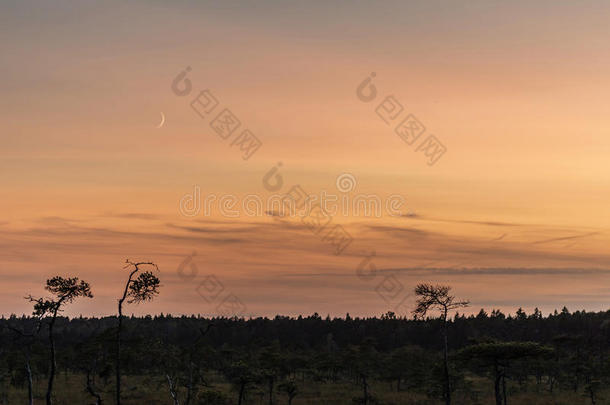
{"type": "Point", "coordinates": [139, 390]}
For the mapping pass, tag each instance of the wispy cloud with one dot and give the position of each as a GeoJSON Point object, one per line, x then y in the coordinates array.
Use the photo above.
{"type": "Point", "coordinates": [132, 215]}
{"type": "Point", "coordinates": [565, 238]}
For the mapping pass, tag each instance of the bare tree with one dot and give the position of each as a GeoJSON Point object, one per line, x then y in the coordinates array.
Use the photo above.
{"type": "Point", "coordinates": [91, 383]}
{"type": "Point", "coordinates": [65, 291]}
{"type": "Point", "coordinates": [189, 386]}
{"type": "Point", "coordinates": [176, 370]}
{"type": "Point", "coordinates": [290, 389]}
{"type": "Point", "coordinates": [26, 343]}
{"type": "Point", "coordinates": [172, 389]}
{"type": "Point", "coordinates": [436, 297]}
{"type": "Point", "coordinates": [140, 288]}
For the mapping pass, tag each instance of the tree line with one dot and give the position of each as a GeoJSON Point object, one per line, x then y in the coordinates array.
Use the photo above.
{"type": "Point", "coordinates": [434, 351]}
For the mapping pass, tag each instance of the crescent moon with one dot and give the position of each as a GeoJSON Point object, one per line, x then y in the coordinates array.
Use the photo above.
{"type": "Point", "coordinates": [162, 121]}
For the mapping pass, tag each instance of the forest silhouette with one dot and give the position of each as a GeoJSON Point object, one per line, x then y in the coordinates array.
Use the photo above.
{"type": "Point", "coordinates": [433, 355]}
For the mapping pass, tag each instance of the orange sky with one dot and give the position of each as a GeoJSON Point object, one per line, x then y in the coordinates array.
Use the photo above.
{"type": "Point", "coordinates": [513, 214]}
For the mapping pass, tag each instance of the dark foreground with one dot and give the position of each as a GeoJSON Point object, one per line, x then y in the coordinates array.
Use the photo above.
{"type": "Point", "coordinates": [518, 359]}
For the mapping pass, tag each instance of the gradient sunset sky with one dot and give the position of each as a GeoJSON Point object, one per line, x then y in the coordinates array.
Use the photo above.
{"type": "Point", "coordinates": [513, 214]}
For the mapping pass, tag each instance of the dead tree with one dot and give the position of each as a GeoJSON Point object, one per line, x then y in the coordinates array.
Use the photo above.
{"type": "Point", "coordinates": [290, 389]}
{"type": "Point", "coordinates": [437, 297]}
{"type": "Point", "coordinates": [189, 386]}
{"type": "Point", "coordinates": [65, 291]}
{"type": "Point", "coordinates": [91, 384]}
{"type": "Point", "coordinates": [27, 340]}
{"type": "Point", "coordinates": [138, 289]}
{"type": "Point", "coordinates": [172, 389]}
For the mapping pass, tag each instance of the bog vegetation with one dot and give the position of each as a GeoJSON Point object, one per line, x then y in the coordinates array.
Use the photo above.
{"type": "Point", "coordinates": [435, 355]}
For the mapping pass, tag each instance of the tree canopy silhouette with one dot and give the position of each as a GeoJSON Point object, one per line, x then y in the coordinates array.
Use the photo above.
{"type": "Point", "coordinates": [64, 290]}
{"type": "Point", "coordinates": [140, 288]}
{"type": "Point", "coordinates": [437, 297]}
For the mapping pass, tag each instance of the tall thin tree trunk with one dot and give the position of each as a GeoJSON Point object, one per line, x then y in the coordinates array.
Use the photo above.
{"type": "Point", "coordinates": [242, 389]}
{"type": "Point", "coordinates": [118, 338]}
{"type": "Point", "coordinates": [271, 391]}
{"type": "Point", "coordinates": [446, 361]}
{"type": "Point", "coordinates": [497, 380]}
{"type": "Point", "coordinates": [189, 387]}
{"type": "Point", "coordinates": [91, 390]}
{"type": "Point", "coordinates": [118, 354]}
{"type": "Point", "coordinates": [504, 388]}
{"type": "Point", "coordinates": [172, 389]}
{"type": "Point", "coordinates": [576, 379]}
{"type": "Point", "coordinates": [28, 370]}
{"type": "Point", "coordinates": [53, 364]}
{"type": "Point", "coordinates": [365, 387]}
{"type": "Point", "coordinates": [118, 358]}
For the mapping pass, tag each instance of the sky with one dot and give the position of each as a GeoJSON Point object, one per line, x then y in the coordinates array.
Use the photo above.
{"type": "Point", "coordinates": [101, 150]}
